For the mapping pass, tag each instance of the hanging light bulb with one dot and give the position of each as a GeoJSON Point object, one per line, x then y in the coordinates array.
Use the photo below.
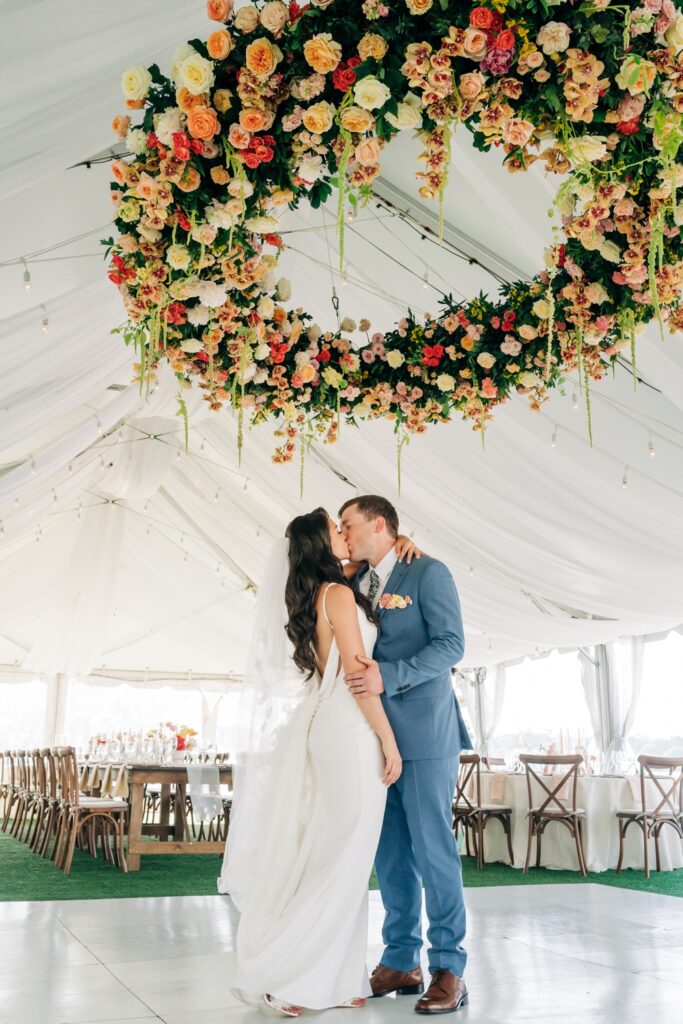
{"type": "Point", "coordinates": [185, 558]}
{"type": "Point", "coordinates": [201, 447]}
{"type": "Point", "coordinates": [471, 570]}
{"type": "Point", "coordinates": [246, 484]}
{"type": "Point", "coordinates": [2, 531]}
{"type": "Point", "coordinates": [425, 278]}
{"type": "Point", "coordinates": [350, 215]}
{"type": "Point", "coordinates": [575, 401]}
{"type": "Point", "coordinates": [98, 421]}
{"type": "Point", "coordinates": [177, 455]}
{"type": "Point", "coordinates": [651, 448]}
{"type": "Point", "coordinates": [54, 497]}
{"type": "Point", "coordinates": [33, 466]}
{"type": "Point", "coordinates": [27, 277]}
{"type": "Point", "coordinates": [624, 479]}
{"type": "Point", "coordinates": [70, 468]}
{"type": "Point", "coordinates": [44, 324]}
{"type": "Point", "coordinates": [553, 439]}
{"type": "Point", "coordinates": [217, 494]}
{"type": "Point", "coordinates": [343, 276]}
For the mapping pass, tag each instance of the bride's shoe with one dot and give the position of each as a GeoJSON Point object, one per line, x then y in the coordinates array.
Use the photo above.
{"type": "Point", "coordinates": [359, 1002]}
{"type": "Point", "coordinates": [288, 1009]}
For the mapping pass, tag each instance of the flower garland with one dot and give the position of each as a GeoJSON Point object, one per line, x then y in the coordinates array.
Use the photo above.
{"type": "Point", "coordinates": [285, 103]}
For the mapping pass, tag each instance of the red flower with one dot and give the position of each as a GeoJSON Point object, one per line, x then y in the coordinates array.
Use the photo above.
{"type": "Point", "coordinates": [323, 356]}
{"type": "Point", "coordinates": [175, 313]}
{"type": "Point", "coordinates": [250, 159]}
{"type": "Point", "coordinates": [497, 22]}
{"type": "Point", "coordinates": [181, 146]}
{"type": "Point", "coordinates": [432, 355]}
{"type": "Point", "coordinates": [509, 317]}
{"type": "Point", "coordinates": [180, 743]}
{"type": "Point", "coordinates": [278, 351]}
{"type": "Point", "coordinates": [152, 140]}
{"type": "Point", "coordinates": [631, 127]}
{"type": "Point", "coordinates": [295, 12]}
{"type": "Point", "coordinates": [562, 255]}
{"type": "Point", "coordinates": [201, 357]}
{"type": "Point", "coordinates": [343, 78]}
{"type": "Point", "coordinates": [264, 153]}
{"type": "Point", "coordinates": [481, 17]}
{"type": "Point", "coordinates": [275, 240]}
{"type": "Point", "coordinates": [495, 322]}
{"type": "Point", "coordinates": [122, 272]}
{"type": "Point", "coordinates": [183, 220]}
{"type": "Point", "coordinates": [505, 40]}
{"type": "Point", "coordinates": [196, 145]}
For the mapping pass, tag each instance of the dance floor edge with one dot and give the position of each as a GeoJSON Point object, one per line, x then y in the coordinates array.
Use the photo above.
{"type": "Point", "coordinates": [560, 953]}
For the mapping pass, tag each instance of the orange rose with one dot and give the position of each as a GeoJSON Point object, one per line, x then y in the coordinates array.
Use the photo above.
{"type": "Point", "coordinates": [238, 137]}
{"type": "Point", "coordinates": [186, 100]}
{"type": "Point", "coordinates": [261, 58]}
{"type": "Point", "coordinates": [190, 179]}
{"type": "Point", "coordinates": [372, 45]}
{"type": "Point", "coordinates": [322, 53]}
{"type": "Point", "coordinates": [219, 10]}
{"type": "Point", "coordinates": [467, 343]}
{"type": "Point", "coordinates": [134, 104]}
{"type": "Point", "coordinates": [222, 100]}
{"type": "Point", "coordinates": [319, 118]}
{"type": "Point", "coordinates": [219, 44]}
{"type": "Point", "coordinates": [120, 125]}
{"type": "Point", "coordinates": [355, 119]}
{"type": "Point", "coordinates": [471, 85]}
{"type": "Point", "coordinates": [219, 175]}
{"type": "Point", "coordinates": [253, 120]}
{"type": "Point", "coordinates": [475, 43]}
{"type": "Point", "coordinates": [202, 122]}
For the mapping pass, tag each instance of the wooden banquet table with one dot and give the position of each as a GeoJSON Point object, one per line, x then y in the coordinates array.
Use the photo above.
{"type": "Point", "coordinates": [172, 838]}
{"type": "Point", "coordinates": [601, 796]}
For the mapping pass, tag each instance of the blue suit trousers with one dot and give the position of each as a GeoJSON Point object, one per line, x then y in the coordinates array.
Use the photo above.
{"type": "Point", "coordinates": [417, 848]}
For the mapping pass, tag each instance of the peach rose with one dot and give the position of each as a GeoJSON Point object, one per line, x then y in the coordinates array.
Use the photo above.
{"type": "Point", "coordinates": [471, 85]}
{"type": "Point", "coordinates": [636, 75]}
{"type": "Point", "coordinates": [222, 100]}
{"type": "Point", "coordinates": [219, 44]}
{"type": "Point", "coordinates": [186, 100]}
{"type": "Point", "coordinates": [553, 37]}
{"type": "Point", "coordinates": [219, 176]}
{"type": "Point", "coordinates": [517, 132]}
{"type": "Point", "coordinates": [355, 119]}
{"type": "Point", "coordinates": [261, 58]}
{"type": "Point", "coordinates": [120, 125]}
{"type": "Point", "coordinates": [202, 123]}
{"type": "Point", "coordinates": [238, 137]}
{"type": "Point", "coordinates": [219, 10]}
{"type": "Point", "coordinates": [319, 117]}
{"type": "Point", "coordinates": [322, 53]}
{"type": "Point", "coordinates": [419, 6]}
{"type": "Point", "coordinates": [246, 19]}
{"type": "Point", "coordinates": [474, 43]}
{"type": "Point", "coordinates": [274, 16]}
{"type": "Point", "coordinates": [190, 179]}
{"type": "Point", "coordinates": [368, 151]}
{"type": "Point", "coordinates": [253, 120]}
{"type": "Point", "coordinates": [372, 45]}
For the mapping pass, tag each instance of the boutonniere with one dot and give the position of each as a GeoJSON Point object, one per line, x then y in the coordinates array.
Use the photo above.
{"type": "Point", "coordinates": [394, 601]}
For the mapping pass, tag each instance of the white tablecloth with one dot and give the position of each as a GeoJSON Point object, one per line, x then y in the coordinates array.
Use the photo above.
{"type": "Point", "coordinates": [601, 797]}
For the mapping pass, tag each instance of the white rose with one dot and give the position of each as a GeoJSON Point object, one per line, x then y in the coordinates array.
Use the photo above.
{"type": "Point", "coordinates": [554, 37]}
{"type": "Point", "coordinates": [445, 382]}
{"type": "Point", "coordinates": [674, 33]}
{"type": "Point", "coordinates": [240, 189]}
{"type": "Point", "coordinates": [178, 257]}
{"type": "Point", "coordinates": [370, 93]}
{"type": "Point", "coordinates": [529, 380]}
{"type": "Point", "coordinates": [135, 82]}
{"type": "Point", "coordinates": [196, 74]}
{"type": "Point", "coordinates": [409, 113]}
{"type": "Point", "coordinates": [205, 234]}
{"type": "Point", "coordinates": [211, 293]}
{"type": "Point", "coordinates": [246, 19]}
{"type": "Point", "coordinates": [198, 316]}
{"type": "Point", "coordinates": [313, 333]}
{"type": "Point", "coordinates": [265, 307]}
{"type": "Point", "coordinates": [167, 123]}
{"type": "Point", "coordinates": [149, 234]}
{"type": "Point", "coordinates": [395, 359]}
{"type": "Point", "coordinates": [136, 141]}
{"type": "Point", "coordinates": [541, 309]}
{"type": "Point", "coordinates": [261, 225]}
{"type": "Point", "coordinates": [586, 148]}
{"type": "Point", "coordinates": [183, 51]}
{"type": "Point", "coordinates": [284, 289]}
{"type": "Point", "coordinates": [219, 215]}
{"type": "Point", "coordinates": [262, 351]}
{"type": "Point", "coordinates": [191, 345]}
{"type": "Point", "coordinates": [274, 16]}
{"type": "Point", "coordinates": [310, 167]}
{"type": "Point", "coordinates": [347, 325]}
{"type": "Point", "coordinates": [261, 376]}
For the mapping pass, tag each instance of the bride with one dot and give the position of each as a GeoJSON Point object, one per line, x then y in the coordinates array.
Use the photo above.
{"type": "Point", "coordinates": [310, 783]}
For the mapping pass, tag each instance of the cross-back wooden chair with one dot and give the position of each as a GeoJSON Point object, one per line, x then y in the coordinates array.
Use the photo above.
{"type": "Point", "coordinates": [8, 788]}
{"type": "Point", "coordinates": [22, 771]}
{"type": "Point", "coordinates": [553, 805]}
{"type": "Point", "coordinates": [661, 803]}
{"type": "Point", "coordinates": [470, 813]}
{"type": "Point", "coordinates": [78, 813]}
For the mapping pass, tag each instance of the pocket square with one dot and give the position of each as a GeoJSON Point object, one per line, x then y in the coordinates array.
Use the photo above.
{"type": "Point", "coordinates": [391, 601]}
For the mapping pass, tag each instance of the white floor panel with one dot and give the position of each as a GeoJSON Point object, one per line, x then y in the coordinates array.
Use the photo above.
{"type": "Point", "coordinates": [570, 954]}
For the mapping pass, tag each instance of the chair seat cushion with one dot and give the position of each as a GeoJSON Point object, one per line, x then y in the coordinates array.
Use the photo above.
{"type": "Point", "coordinates": [578, 813]}
{"type": "Point", "coordinates": [637, 812]}
{"type": "Point", "coordinates": [91, 803]}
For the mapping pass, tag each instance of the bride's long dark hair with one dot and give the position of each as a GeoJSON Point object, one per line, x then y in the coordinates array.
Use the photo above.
{"type": "Point", "coordinates": [311, 563]}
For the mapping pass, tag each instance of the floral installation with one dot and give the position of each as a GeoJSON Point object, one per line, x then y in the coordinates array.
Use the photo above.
{"type": "Point", "coordinates": [394, 601]}
{"type": "Point", "coordinates": [184, 736]}
{"type": "Point", "coordinates": [280, 104]}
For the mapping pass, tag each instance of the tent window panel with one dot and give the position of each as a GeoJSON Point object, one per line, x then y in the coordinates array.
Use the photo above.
{"type": "Point", "coordinates": [658, 725]}
{"type": "Point", "coordinates": [93, 710]}
{"type": "Point", "coordinates": [22, 714]}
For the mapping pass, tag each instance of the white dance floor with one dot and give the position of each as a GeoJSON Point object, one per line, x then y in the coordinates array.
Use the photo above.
{"type": "Point", "coordinates": [563, 954]}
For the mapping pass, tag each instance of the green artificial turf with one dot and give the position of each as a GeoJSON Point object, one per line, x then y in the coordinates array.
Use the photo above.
{"type": "Point", "coordinates": [24, 876]}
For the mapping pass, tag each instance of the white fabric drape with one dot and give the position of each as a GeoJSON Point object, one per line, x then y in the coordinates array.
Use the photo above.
{"type": "Point", "coordinates": [484, 690]}
{"type": "Point", "coordinates": [611, 676]}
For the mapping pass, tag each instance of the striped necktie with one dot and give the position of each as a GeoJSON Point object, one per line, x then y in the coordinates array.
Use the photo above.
{"type": "Point", "coordinates": [374, 586]}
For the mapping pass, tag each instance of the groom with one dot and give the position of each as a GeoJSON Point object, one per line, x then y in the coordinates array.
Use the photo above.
{"type": "Point", "coordinates": [420, 639]}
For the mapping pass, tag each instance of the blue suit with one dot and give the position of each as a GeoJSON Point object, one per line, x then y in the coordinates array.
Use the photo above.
{"type": "Point", "coordinates": [416, 648]}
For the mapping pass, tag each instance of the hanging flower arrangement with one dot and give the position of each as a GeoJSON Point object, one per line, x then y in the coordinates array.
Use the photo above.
{"type": "Point", "coordinates": [281, 104]}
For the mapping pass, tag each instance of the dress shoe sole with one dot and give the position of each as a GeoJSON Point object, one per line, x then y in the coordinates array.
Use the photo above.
{"type": "Point", "coordinates": [451, 1009]}
{"type": "Point", "coordinates": [408, 990]}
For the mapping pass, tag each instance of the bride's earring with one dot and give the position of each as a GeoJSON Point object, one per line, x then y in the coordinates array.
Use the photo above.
{"type": "Point", "coordinates": [288, 1009]}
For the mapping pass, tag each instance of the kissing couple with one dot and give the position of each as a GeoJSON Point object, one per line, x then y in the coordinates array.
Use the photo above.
{"type": "Point", "coordinates": [348, 751]}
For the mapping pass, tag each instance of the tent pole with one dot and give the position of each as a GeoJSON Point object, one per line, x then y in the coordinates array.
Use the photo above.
{"type": "Point", "coordinates": [55, 708]}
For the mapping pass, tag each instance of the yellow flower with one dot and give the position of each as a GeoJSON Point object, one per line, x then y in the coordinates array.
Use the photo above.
{"type": "Point", "coordinates": [333, 378]}
{"type": "Point", "coordinates": [395, 359]}
{"type": "Point", "coordinates": [319, 118]}
{"type": "Point", "coordinates": [196, 74]}
{"type": "Point", "coordinates": [636, 75]}
{"type": "Point", "coordinates": [372, 45]}
{"type": "Point", "coordinates": [322, 53]}
{"type": "Point", "coordinates": [354, 119]}
{"type": "Point", "coordinates": [419, 6]}
{"type": "Point", "coordinates": [136, 82]}
{"type": "Point", "coordinates": [262, 57]}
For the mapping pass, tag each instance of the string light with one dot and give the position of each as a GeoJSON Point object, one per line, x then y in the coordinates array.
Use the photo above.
{"type": "Point", "coordinates": [98, 421]}
{"type": "Point", "coordinates": [217, 494]}
{"type": "Point", "coordinates": [471, 570]}
{"type": "Point", "coordinates": [246, 484]}
{"type": "Point", "coordinates": [651, 448]}
{"type": "Point", "coordinates": [44, 324]}
{"type": "Point", "coordinates": [624, 479]}
{"type": "Point", "coordinates": [54, 497]}
{"type": "Point", "coordinates": [553, 439]}
{"type": "Point", "coordinates": [27, 277]}
{"type": "Point", "coordinates": [350, 215]}
{"type": "Point", "coordinates": [343, 277]}
{"type": "Point", "coordinates": [2, 530]}
{"type": "Point", "coordinates": [575, 401]}
{"type": "Point", "coordinates": [425, 278]}
{"type": "Point", "coordinates": [33, 466]}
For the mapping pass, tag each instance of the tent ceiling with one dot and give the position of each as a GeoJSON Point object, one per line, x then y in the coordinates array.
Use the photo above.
{"type": "Point", "coordinates": [546, 546]}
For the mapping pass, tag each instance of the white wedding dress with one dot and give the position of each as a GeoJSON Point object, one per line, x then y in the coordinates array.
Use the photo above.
{"type": "Point", "coordinates": [302, 933]}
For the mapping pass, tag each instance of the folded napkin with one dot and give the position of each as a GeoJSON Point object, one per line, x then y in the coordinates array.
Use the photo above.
{"type": "Point", "coordinates": [105, 786]}
{"type": "Point", "coordinates": [83, 781]}
{"type": "Point", "coordinates": [204, 787]}
{"type": "Point", "coordinates": [120, 787]}
{"type": "Point", "coordinates": [498, 787]}
{"type": "Point", "coordinates": [634, 783]}
{"type": "Point", "coordinates": [94, 779]}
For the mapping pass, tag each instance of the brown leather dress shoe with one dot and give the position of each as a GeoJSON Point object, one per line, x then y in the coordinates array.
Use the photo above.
{"type": "Point", "coordinates": [446, 993]}
{"type": "Point", "coordinates": [406, 983]}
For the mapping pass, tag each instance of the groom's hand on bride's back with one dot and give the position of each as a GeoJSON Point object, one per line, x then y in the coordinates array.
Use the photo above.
{"type": "Point", "coordinates": [366, 682]}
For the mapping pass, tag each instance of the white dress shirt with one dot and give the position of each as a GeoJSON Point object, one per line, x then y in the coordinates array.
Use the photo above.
{"type": "Point", "coordinates": [383, 570]}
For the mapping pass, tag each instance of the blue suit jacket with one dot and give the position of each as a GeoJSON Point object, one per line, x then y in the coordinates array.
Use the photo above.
{"type": "Point", "coordinates": [416, 648]}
